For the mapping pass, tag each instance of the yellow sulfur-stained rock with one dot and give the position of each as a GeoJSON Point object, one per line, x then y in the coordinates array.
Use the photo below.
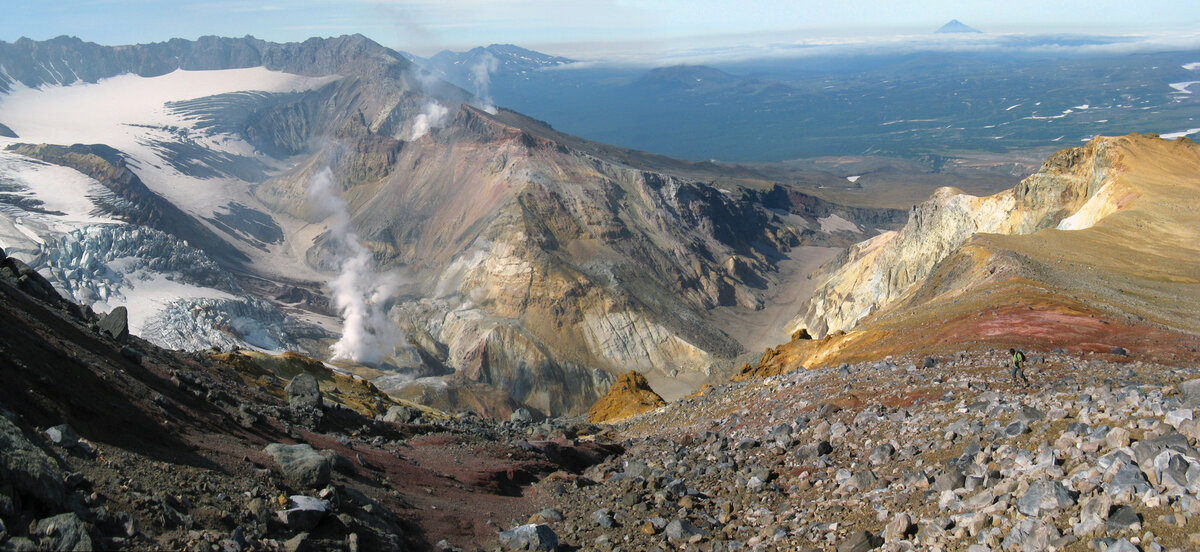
{"type": "Point", "coordinates": [629, 396]}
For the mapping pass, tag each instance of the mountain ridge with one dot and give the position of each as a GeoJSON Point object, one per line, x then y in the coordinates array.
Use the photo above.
{"type": "Point", "coordinates": [534, 262]}
{"type": "Point", "coordinates": [1087, 272]}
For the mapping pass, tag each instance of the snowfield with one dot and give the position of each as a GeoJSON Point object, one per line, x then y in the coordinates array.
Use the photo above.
{"type": "Point", "coordinates": [834, 223]}
{"type": "Point", "coordinates": [130, 113]}
{"type": "Point", "coordinates": [113, 111]}
{"type": "Point", "coordinates": [62, 190]}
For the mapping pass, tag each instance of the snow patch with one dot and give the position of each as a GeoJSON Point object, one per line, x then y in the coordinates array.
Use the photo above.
{"type": "Point", "coordinates": [1192, 66]}
{"type": "Point", "coordinates": [59, 189]}
{"type": "Point", "coordinates": [854, 178]}
{"type": "Point", "coordinates": [1180, 87]}
{"type": "Point", "coordinates": [130, 113]}
{"type": "Point", "coordinates": [834, 223]}
{"type": "Point", "coordinates": [1180, 134]}
{"type": "Point", "coordinates": [107, 111]}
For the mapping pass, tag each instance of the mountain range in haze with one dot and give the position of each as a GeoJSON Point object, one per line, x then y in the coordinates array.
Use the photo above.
{"type": "Point", "coordinates": [942, 93]}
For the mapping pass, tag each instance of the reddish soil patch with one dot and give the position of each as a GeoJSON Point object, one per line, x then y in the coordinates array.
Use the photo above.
{"type": "Point", "coordinates": [1045, 327]}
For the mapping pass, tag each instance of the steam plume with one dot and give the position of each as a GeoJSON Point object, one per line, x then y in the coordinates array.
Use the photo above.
{"type": "Point", "coordinates": [359, 292]}
{"type": "Point", "coordinates": [431, 117]}
{"type": "Point", "coordinates": [481, 74]}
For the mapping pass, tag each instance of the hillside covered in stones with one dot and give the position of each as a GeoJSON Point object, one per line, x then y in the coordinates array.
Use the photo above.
{"type": "Point", "coordinates": [1097, 452]}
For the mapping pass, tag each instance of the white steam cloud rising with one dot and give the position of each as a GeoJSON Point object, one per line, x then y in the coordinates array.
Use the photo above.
{"type": "Point", "coordinates": [481, 75]}
{"type": "Point", "coordinates": [359, 292]}
{"type": "Point", "coordinates": [431, 117]}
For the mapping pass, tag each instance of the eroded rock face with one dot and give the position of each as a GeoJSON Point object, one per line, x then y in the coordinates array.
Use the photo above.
{"type": "Point", "coordinates": [629, 396]}
{"type": "Point", "coordinates": [878, 272]}
{"type": "Point", "coordinates": [547, 266]}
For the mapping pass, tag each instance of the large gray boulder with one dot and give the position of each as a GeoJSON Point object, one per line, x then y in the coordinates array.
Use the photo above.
{"type": "Point", "coordinates": [529, 537]}
{"type": "Point", "coordinates": [521, 415]}
{"type": "Point", "coordinates": [681, 529]}
{"type": "Point", "coordinates": [62, 435]}
{"type": "Point", "coordinates": [304, 392]}
{"type": "Point", "coordinates": [1190, 390]}
{"type": "Point", "coordinates": [301, 465]}
{"type": "Point", "coordinates": [860, 541]}
{"type": "Point", "coordinates": [26, 472]}
{"type": "Point", "coordinates": [402, 414]}
{"type": "Point", "coordinates": [65, 532]}
{"type": "Point", "coordinates": [1045, 496]}
{"type": "Point", "coordinates": [116, 324]}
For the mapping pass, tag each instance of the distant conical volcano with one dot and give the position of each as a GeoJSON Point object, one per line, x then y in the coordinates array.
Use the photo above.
{"type": "Point", "coordinates": [956, 26]}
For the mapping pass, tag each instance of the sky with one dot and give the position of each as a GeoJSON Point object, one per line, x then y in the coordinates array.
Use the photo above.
{"type": "Point", "coordinates": [583, 29]}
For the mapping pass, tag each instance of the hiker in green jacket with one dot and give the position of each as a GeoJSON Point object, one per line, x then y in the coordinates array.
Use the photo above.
{"type": "Point", "coordinates": [1018, 365]}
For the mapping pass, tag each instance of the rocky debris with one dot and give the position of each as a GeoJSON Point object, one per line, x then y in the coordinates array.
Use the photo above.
{"type": "Point", "coordinates": [629, 396]}
{"type": "Point", "coordinates": [529, 537]}
{"type": "Point", "coordinates": [301, 465]}
{"type": "Point", "coordinates": [303, 392]}
{"type": "Point", "coordinates": [116, 324]}
{"type": "Point", "coordinates": [897, 456]}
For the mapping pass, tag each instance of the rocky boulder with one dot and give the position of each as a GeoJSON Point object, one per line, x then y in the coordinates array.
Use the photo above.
{"type": "Point", "coordinates": [1044, 496]}
{"type": "Point", "coordinates": [1191, 393]}
{"type": "Point", "coordinates": [27, 473]}
{"type": "Point", "coordinates": [860, 541]}
{"type": "Point", "coordinates": [301, 465]}
{"type": "Point", "coordinates": [116, 324]}
{"type": "Point", "coordinates": [304, 392]}
{"type": "Point", "coordinates": [529, 537]}
{"type": "Point", "coordinates": [65, 532]}
{"type": "Point", "coordinates": [402, 414]}
{"type": "Point", "coordinates": [629, 396]}
{"type": "Point", "coordinates": [28, 279]}
{"type": "Point", "coordinates": [303, 512]}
